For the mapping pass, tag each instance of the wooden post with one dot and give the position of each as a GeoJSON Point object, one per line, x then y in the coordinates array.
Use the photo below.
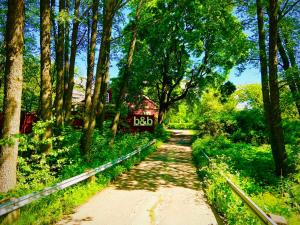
{"type": "Point", "coordinates": [91, 179]}
{"type": "Point", "coordinates": [9, 218]}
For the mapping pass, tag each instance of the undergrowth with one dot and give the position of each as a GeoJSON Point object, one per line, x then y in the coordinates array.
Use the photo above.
{"type": "Point", "coordinates": [252, 169]}
{"type": "Point", "coordinates": [37, 170]}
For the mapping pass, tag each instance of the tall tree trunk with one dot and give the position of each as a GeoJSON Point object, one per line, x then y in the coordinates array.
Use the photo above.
{"type": "Point", "coordinates": [100, 111]}
{"type": "Point", "coordinates": [296, 71]}
{"type": "Point", "coordinates": [46, 86]}
{"type": "Point", "coordinates": [277, 138]}
{"type": "Point", "coordinates": [68, 102]}
{"type": "Point", "coordinates": [109, 10]}
{"type": "Point", "coordinates": [126, 74]}
{"type": "Point", "coordinates": [161, 113]}
{"type": "Point", "coordinates": [13, 93]}
{"type": "Point", "coordinates": [66, 54]}
{"type": "Point", "coordinates": [55, 41]}
{"type": "Point", "coordinates": [90, 65]}
{"type": "Point", "coordinates": [163, 105]}
{"type": "Point", "coordinates": [59, 99]}
{"type": "Point", "coordinates": [263, 60]}
{"type": "Point", "coordinates": [288, 76]}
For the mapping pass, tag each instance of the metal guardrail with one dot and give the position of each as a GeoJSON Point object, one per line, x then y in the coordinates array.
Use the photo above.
{"type": "Point", "coordinates": [258, 211]}
{"type": "Point", "coordinates": [17, 203]}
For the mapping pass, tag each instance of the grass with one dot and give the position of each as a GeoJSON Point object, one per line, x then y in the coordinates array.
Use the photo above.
{"type": "Point", "coordinates": [252, 169]}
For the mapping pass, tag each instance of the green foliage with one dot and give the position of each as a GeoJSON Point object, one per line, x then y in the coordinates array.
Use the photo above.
{"type": "Point", "coordinates": [240, 118]}
{"type": "Point", "coordinates": [251, 168]}
{"type": "Point", "coordinates": [251, 127]}
{"type": "Point", "coordinates": [31, 84]}
{"type": "Point", "coordinates": [226, 90]}
{"type": "Point", "coordinates": [38, 170]}
{"type": "Point", "coordinates": [161, 133]}
{"type": "Point", "coordinates": [194, 49]}
{"type": "Point", "coordinates": [179, 117]}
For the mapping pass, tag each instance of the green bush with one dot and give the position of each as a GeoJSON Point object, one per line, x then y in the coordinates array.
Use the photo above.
{"type": "Point", "coordinates": [292, 131]}
{"type": "Point", "coordinates": [252, 169]}
{"type": "Point", "coordinates": [161, 133]}
{"type": "Point", "coordinates": [251, 127]}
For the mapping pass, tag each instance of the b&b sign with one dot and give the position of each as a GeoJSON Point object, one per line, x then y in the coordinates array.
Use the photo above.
{"type": "Point", "coordinates": [143, 121]}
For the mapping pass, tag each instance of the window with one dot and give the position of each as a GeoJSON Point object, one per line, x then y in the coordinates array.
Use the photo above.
{"type": "Point", "coordinates": [107, 97]}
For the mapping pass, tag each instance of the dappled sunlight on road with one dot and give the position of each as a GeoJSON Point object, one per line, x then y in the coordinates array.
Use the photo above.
{"type": "Point", "coordinates": [161, 190]}
{"type": "Point", "coordinates": [164, 168]}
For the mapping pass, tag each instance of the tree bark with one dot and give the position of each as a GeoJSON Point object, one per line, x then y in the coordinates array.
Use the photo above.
{"type": "Point", "coordinates": [109, 10]}
{"type": "Point", "coordinates": [66, 55]}
{"type": "Point", "coordinates": [263, 60]}
{"type": "Point", "coordinates": [90, 65]}
{"type": "Point", "coordinates": [59, 98]}
{"type": "Point", "coordinates": [68, 102]}
{"type": "Point", "coordinates": [161, 113]}
{"type": "Point", "coordinates": [46, 86]}
{"type": "Point", "coordinates": [277, 138]}
{"type": "Point", "coordinates": [13, 93]}
{"type": "Point", "coordinates": [163, 104]}
{"type": "Point", "coordinates": [102, 102]}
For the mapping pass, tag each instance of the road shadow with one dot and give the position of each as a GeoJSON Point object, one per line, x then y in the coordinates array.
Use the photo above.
{"type": "Point", "coordinates": [170, 166]}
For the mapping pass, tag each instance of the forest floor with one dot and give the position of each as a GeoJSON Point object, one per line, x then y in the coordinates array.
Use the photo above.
{"type": "Point", "coordinates": [161, 190]}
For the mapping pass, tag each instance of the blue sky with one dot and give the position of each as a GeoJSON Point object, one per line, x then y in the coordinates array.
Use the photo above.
{"type": "Point", "coordinates": [249, 76]}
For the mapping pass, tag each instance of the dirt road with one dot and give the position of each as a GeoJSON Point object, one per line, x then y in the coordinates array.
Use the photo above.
{"type": "Point", "coordinates": [162, 190]}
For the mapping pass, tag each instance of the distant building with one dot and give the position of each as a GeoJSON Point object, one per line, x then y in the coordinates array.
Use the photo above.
{"type": "Point", "coordinates": [142, 114]}
{"type": "Point", "coordinates": [78, 99]}
{"type": "Point", "coordinates": [144, 106]}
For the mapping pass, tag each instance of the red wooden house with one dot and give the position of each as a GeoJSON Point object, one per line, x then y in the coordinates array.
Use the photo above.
{"type": "Point", "coordinates": [142, 114]}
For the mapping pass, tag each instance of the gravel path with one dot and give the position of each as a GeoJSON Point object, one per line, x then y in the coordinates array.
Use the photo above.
{"type": "Point", "coordinates": [162, 190]}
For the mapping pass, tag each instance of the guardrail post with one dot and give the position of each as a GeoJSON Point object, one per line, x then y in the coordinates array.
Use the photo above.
{"type": "Point", "coordinates": [90, 179]}
{"type": "Point", "coordinates": [11, 217]}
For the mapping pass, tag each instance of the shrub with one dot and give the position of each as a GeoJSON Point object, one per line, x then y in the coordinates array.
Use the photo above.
{"type": "Point", "coordinates": [252, 169]}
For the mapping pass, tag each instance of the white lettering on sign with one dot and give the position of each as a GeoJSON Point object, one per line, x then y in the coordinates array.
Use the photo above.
{"type": "Point", "coordinates": [142, 121]}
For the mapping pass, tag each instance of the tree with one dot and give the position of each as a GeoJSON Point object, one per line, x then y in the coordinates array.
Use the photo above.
{"type": "Point", "coordinates": [193, 47]}
{"type": "Point", "coordinates": [70, 80]}
{"type": "Point", "coordinates": [288, 76]}
{"type": "Point", "coordinates": [46, 85]}
{"type": "Point", "coordinates": [287, 41]}
{"type": "Point", "coordinates": [110, 9]}
{"type": "Point", "coordinates": [277, 138]}
{"type": "Point", "coordinates": [270, 87]}
{"type": "Point", "coordinates": [59, 98]}
{"type": "Point", "coordinates": [126, 73]}
{"type": "Point", "coordinates": [13, 92]}
{"type": "Point", "coordinates": [90, 64]}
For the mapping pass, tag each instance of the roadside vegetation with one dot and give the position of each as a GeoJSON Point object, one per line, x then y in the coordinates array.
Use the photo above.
{"type": "Point", "coordinates": [38, 170]}
{"type": "Point", "coordinates": [233, 133]}
{"type": "Point", "coordinates": [251, 168]}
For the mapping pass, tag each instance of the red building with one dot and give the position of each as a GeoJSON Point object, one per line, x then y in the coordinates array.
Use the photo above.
{"type": "Point", "coordinates": [142, 114]}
